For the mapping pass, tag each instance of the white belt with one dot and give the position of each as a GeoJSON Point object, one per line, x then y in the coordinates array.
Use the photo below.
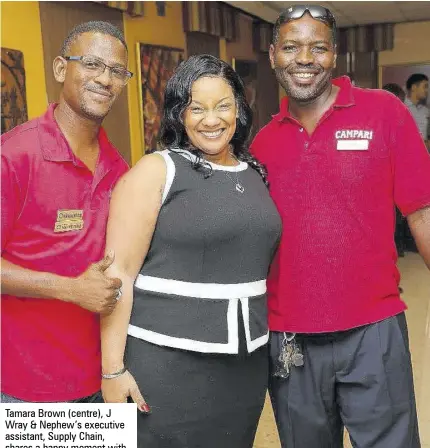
{"type": "Point", "coordinates": [201, 290]}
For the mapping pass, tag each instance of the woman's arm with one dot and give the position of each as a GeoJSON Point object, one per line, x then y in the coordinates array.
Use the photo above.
{"type": "Point", "coordinates": [134, 209]}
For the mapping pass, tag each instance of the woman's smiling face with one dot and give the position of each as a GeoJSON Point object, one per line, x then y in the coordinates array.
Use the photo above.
{"type": "Point", "coordinates": [210, 119]}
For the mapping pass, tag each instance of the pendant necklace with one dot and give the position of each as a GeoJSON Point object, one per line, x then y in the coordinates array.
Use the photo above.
{"type": "Point", "coordinates": [239, 187]}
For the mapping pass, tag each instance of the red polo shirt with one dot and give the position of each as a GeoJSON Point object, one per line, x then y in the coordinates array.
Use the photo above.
{"type": "Point", "coordinates": [51, 349]}
{"type": "Point", "coordinates": [335, 191]}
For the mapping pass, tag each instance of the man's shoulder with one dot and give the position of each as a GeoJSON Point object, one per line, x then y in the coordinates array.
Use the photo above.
{"type": "Point", "coordinates": [263, 143]}
{"type": "Point", "coordinates": [266, 132]}
{"type": "Point", "coordinates": [379, 103]}
{"type": "Point", "coordinates": [22, 140]}
{"type": "Point", "coordinates": [21, 133]}
{"type": "Point", "coordinates": [123, 165]}
{"type": "Point", "coordinates": [117, 162]}
{"type": "Point", "coordinates": [379, 96]}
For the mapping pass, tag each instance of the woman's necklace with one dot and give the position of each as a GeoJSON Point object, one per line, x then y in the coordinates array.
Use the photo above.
{"type": "Point", "coordinates": [239, 187]}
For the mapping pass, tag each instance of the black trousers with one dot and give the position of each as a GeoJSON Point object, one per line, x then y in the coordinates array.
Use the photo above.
{"type": "Point", "coordinates": [360, 379]}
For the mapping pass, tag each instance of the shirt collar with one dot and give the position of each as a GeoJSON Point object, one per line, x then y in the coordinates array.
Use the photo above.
{"type": "Point", "coordinates": [345, 98]}
{"type": "Point", "coordinates": [55, 147]}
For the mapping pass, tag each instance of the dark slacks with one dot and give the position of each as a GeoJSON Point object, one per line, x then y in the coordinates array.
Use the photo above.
{"type": "Point", "coordinates": [360, 379]}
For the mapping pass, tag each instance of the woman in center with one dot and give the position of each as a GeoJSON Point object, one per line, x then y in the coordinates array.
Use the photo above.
{"type": "Point", "coordinates": [193, 230]}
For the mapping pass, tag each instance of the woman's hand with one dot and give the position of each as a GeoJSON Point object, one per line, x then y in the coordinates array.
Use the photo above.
{"type": "Point", "coordinates": [117, 390]}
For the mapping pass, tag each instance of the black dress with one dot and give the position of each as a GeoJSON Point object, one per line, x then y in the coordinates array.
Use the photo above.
{"type": "Point", "coordinates": [198, 329]}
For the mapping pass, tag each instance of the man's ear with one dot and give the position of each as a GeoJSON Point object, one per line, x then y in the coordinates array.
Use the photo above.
{"type": "Point", "coordinates": [272, 55]}
{"type": "Point", "coordinates": [59, 67]}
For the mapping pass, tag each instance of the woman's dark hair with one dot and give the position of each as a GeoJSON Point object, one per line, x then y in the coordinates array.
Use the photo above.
{"type": "Point", "coordinates": [177, 98]}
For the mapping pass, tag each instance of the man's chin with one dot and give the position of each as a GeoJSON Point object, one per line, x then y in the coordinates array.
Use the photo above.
{"type": "Point", "coordinates": [305, 94]}
{"type": "Point", "coordinates": [95, 114]}
{"type": "Point", "coordinates": [301, 94]}
{"type": "Point", "coordinates": [305, 97]}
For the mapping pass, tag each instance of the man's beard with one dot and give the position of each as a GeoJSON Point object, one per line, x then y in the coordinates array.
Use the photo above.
{"type": "Point", "coordinates": [90, 113]}
{"type": "Point", "coordinates": [304, 94]}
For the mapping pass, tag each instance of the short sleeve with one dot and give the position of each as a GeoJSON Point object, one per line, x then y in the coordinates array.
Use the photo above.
{"type": "Point", "coordinates": [410, 160]}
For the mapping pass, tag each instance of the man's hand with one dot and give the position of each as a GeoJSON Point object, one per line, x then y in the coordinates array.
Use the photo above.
{"type": "Point", "coordinates": [94, 291]}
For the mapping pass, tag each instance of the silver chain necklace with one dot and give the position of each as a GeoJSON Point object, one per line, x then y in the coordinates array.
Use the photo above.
{"type": "Point", "coordinates": [239, 187]}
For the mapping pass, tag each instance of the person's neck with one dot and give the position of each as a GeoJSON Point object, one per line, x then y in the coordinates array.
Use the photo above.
{"type": "Point", "coordinates": [81, 133]}
{"type": "Point", "coordinates": [225, 158]}
{"type": "Point", "coordinates": [303, 111]}
{"type": "Point", "coordinates": [413, 99]}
